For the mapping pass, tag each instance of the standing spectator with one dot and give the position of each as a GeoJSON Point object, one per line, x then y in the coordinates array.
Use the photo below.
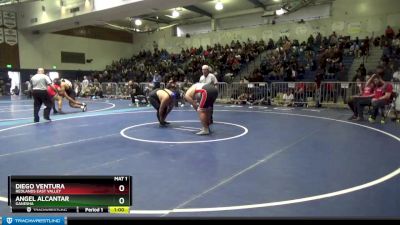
{"type": "Point", "coordinates": [157, 80]}
{"type": "Point", "coordinates": [362, 71]}
{"type": "Point", "coordinates": [8, 86]}
{"type": "Point", "coordinates": [365, 47]}
{"type": "Point", "coordinates": [389, 33]}
{"type": "Point", "coordinates": [396, 75]}
{"type": "Point", "coordinates": [29, 87]}
{"type": "Point", "coordinates": [85, 84]}
{"type": "Point", "coordinates": [155, 46]}
{"type": "Point", "coordinates": [39, 91]}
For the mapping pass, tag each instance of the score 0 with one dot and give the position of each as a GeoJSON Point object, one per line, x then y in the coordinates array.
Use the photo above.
{"type": "Point", "coordinates": [122, 188]}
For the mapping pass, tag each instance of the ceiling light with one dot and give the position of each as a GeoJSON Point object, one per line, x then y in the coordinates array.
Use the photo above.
{"type": "Point", "coordinates": [175, 14]}
{"type": "Point", "coordinates": [219, 6]}
{"type": "Point", "coordinates": [138, 22]}
{"type": "Point", "coordinates": [281, 11]}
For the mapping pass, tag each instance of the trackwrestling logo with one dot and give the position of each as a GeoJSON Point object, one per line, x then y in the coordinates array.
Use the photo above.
{"type": "Point", "coordinates": [34, 220]}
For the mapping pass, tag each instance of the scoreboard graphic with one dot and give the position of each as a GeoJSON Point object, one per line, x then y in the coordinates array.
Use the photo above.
{"type": "Point", "coordinates": [70, 194]}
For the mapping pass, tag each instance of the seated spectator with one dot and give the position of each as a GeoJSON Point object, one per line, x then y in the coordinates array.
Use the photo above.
{"type": "Point", "coordinates": [109, 89]}
{"type": "Point", "coordinates": [15, 91]}
{"type": "Point", "coordinates": [384, 70]}
{"type": "Point", "coordinates": [383, 94]}
{"type": "Point", "coordinates": [242, 99]}
{"type": "Point", "coordinates": [137, 96]}
{"type": "Point", "coordinates": [288, 98]}
{"type": "Point", "coordinates": [358, 102]}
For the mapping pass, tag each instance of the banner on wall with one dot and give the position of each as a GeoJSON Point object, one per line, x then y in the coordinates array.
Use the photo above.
{"type": "Point", "coordinates": [10, 36]}
{"type": "Point", "coordinates": [354, 28]}
{"type": "Point", "coordinates": [1, 35]}
{"type": "Point", "coordinates": [1, 18]}
{"type": "Point", "coordinates": [9, 19]}
{"type": "Point", "coordinates": [338, 26]}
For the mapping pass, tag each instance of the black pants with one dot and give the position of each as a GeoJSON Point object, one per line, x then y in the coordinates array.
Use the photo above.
{"type": "Point", "coordinates": [41, 97]}
{"type": "Point", "coordinates": [376, 105]}
{"type": "Point", "coordinates": [353, 106]}
{"type": "Point", "coordinates": [157, 85]}
{"type": "Point", "coordinates": [361, 103]}
{"type": "Point", "coordinates": [155, 102]}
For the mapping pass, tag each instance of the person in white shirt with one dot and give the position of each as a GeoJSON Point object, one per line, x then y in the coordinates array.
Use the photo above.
{"type": "Point", "coordinates": [208, 78]}
{"type": "Point", "coordinates": [288, 98]}
{"type": "Point", "coordinates": [40, 82]}
{"type": "Point", "coordinates": [85, 84]}
{"type": "Point", "coordinates": [396, 75]}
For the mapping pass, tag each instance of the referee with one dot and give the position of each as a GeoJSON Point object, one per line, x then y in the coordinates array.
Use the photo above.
{"type": "Point", "coordinates": [40, 81]}
{"type": "Point", "coordinates": [208, 78]}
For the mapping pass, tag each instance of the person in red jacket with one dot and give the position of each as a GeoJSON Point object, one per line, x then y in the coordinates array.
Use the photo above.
{"type": "Point", "coordinates": [382, 95]}
{"type": "Point", "coordinates": [357, 103]}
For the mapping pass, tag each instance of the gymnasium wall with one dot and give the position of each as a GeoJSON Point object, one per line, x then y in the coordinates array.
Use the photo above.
{"type": "Point", "coordinates": [44, 50]}
{"type": "Point", "coordinates": [355, 18]}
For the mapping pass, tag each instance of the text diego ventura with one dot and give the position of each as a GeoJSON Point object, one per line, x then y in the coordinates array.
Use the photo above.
{"type": "Point", "coordinates": [39, 188]}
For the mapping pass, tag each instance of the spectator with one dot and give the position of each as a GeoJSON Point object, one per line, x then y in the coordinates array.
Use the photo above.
{"type": "Point", "coordinates": [157, 80]}
{"type": "Point", "coordinates": [396, 75]}
{"type": "Point", "coordinates": [28, 84]}
{"type": "Point", "coordinates": [15, 91]}
{"type": "Point", "coordinates": [384, 71]}
{"type": "Point", "coordinates": [382, 96]}
{"type": "Point", "coordinates": [85, 83]}
{"type": "Point", "coordinates": [288, 98]}
{"type": "Point", "coordinates": [355, 50]}
{"type": "Point", "coordinates": [362, 71]}
{"type": "Point", "coordinates": [136, 93]}
{"type": "Point", "coordinates": [389, 33]}
{"type": "Point", "coordinates": [365, 47]}
{"type": "Point", "coordinates": [358, 102]}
